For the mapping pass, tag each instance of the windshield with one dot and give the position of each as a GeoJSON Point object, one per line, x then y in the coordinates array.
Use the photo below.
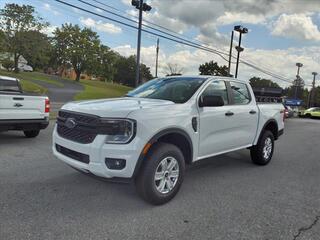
{"type": "Point", "coordinates": [177, 90]}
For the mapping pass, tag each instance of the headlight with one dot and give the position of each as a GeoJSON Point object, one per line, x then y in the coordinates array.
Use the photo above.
{"type": "Point", "coordinates": [119, 131]}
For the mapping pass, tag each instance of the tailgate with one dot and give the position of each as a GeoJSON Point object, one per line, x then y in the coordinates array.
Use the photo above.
{"type": "Point", "coordinates": [22, 107]}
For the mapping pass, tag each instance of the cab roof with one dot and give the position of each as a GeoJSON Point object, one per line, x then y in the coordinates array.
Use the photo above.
{"type": "Point", "coordinates": [206, 77]}
{"type": "Point", "coordinates": [8, 78]}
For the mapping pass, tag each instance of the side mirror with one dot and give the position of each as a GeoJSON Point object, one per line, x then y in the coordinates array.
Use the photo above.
{"type": "Point", "coordinates": [211, 101]}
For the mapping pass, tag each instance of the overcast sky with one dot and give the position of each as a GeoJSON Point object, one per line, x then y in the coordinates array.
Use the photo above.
{"type": "Point", "coordinates": [281, 32]}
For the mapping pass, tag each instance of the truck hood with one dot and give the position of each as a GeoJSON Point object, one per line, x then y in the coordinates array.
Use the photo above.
{"type": "Point", "coordinates": [115, 107]}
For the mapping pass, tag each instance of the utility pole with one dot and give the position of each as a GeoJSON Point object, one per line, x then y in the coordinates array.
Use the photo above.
{"type": "Point", "coordinates": [241, 30]}
{"type": "Point", "coordinates": [313, 90]}
{"type": "Point", "coordinates": [157, 57]}
{"type": "Point", "coordinates": [298, 80]}
{"type": "Point", "coordinates": [142, 7]}
{"type": "Point", "coordinates": [230, 53]}
{"type": "Point", "coordinates": [139, 45]}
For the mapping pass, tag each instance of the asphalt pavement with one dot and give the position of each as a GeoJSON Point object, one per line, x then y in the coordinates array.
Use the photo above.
{"type": "Point", "coordinates": [61, 94]}
{"type": "Point", "coordinates": [225, 197]}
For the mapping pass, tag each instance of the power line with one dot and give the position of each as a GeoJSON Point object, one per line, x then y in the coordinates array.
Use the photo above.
{"type": "Point", "coordinates": [246, 62]}
{"type": "Point", "coordinates": [181, 41]}
{"type": "Point", "coordinates": [146, 31]}
{"type": "Point", "coordinates": [163, 32]}
{"type": "Point", "coordinates": [270, 73]}
{"type": "Point", "coordinates": [144, 20]}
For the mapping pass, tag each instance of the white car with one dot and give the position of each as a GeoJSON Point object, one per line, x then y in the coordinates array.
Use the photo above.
{"type": "Point", "coordinates": [25, 68]}
{"type": "Point", "coordinates": [155, 130]}
{"type": "Point", "coordinates": [21, 111]}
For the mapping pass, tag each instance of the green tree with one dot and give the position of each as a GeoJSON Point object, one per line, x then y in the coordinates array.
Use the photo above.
{"type": "Point", "coordinates": [126, 70]}
{"type": "Point", "coordinates": [105, 64]}
{"type": "Point", "coordinates": [8, 64]}
{"type": "Point", "coordinates": [172, 69]}
{"type": "Point", "coordinates": [212, 68]}
{"type": "Point", "coordinates": [145, 73]}
{"type": "Point", "coordinates": [15, 21]}
{"type": "Point", "coordinates": [2, 41]}
{"type": "Point", "coordinates": [317, 97]}
{"type": "Point", "coordinates": [80, 47]}
{"type": "Point", "coordinates": [37, 49]}
{"type": "Point", "coordinates": [300, 93]}
{"type": "Point", "coordinates": [261, 83]}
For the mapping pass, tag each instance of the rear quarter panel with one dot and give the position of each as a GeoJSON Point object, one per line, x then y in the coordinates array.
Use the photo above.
{"type": "Point", "coordinates": [269, 111]}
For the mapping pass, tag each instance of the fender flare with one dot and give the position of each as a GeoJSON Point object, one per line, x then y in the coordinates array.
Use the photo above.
{"type": "Point", "coordinates": [155, 138]}
{"type": "Point", "coordinates": [272, 120]}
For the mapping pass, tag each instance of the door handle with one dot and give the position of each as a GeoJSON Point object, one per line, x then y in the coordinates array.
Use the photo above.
{"type": "Point", "coordinates": [252, 112]}
{"type": "Point", "coordinates": [229, 114]}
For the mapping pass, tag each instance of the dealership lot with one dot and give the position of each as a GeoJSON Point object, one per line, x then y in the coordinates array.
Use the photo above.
{"type": "Point", "coordinates": [226, 197]}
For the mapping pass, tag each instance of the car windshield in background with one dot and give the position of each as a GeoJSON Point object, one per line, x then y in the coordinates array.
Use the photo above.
{"type": "Point", "coordinates": [177, 90]}
{"type": "Point", "coordinates": [9, 86]}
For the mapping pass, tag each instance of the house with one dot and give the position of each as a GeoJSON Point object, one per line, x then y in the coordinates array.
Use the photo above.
{"type": "Point", "coordinates": [22, 62]}
{"type": "Point", "coordinates": [68, 72]}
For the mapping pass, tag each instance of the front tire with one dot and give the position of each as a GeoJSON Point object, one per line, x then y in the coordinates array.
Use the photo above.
{"type": "Point", "coordinates": [31, 133]}
{"type": "Point", "coordinates": [162, 174]}
{"type": "Point", "coordinates": [261, 154]}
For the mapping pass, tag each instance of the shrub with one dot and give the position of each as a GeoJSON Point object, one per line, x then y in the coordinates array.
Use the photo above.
{"type": "Point", "coordinates": [8, 64]}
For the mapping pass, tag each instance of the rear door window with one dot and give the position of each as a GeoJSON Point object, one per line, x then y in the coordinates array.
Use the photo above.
{"type": "Point", "coordinates": [240, 93]}
{"type": "Point", "coordinates": [217, 88]}
{"type": "Point", "coordinates": [9, 85]}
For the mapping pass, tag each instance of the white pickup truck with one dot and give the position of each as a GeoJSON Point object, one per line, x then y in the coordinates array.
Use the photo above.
{"type": "Point", "coordinates": [21, 111]}
{"type": "Point", "coordinates": [155, 130]}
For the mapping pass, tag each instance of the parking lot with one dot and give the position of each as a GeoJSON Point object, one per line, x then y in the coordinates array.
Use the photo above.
{"type": "Point", "coordinates": [225, 197]}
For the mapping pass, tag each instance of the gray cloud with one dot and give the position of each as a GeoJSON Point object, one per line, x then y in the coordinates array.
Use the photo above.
{"type": "Point", "coordinates": [203, 14]}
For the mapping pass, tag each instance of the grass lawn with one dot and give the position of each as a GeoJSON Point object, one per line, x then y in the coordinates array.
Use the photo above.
{"type": "Point", "coordinates": [32, 76]}
{"type": "Point", "coordinates": [27, 85]}
{"type": "Point", "coordinates": [96, 90]}
{"type": "Point", "coordinates": [92, 89]}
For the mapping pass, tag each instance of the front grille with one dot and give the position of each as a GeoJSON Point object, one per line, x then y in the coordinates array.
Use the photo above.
{"type": "Point", "coordinates": [84, 130]}
{"type": "Point", "coordinates": [73, 154]}
{"type": "Point", "coordinates": [76, 135]}
{"type": "Point", "coordinates": [80, 117]}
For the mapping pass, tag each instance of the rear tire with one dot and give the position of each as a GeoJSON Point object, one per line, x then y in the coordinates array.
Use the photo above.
{"type": "Point", "coordinates": [162, 174]}
{"type": "Point", "coordinates": [308, 115]}
{"type": "Point", "coordinates": [261, 154]}
{"type": "Point", "coordinates": [31, 133]}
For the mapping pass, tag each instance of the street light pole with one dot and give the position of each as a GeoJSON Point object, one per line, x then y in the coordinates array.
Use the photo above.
{"type": "Point", "coordinates": [230, 53]}
{"type": "Point", "coordinates": [142, 7]}
{"type": "Point", "coordinates": [157, 56]}
{"type": "Point", "coordinates": [299, 65]}
{"type": "Point", "coordinates": [313, 88]}
{"type": "Point", "coordinates": [241, 30]}
{"type": "Point", "coordinates": [139, 44]}
{"type": "Point", "coordinates": [238, 55]}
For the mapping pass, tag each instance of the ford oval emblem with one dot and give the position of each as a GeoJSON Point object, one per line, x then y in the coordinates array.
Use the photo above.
{"type": "Point", "coordinates": [70, 123]}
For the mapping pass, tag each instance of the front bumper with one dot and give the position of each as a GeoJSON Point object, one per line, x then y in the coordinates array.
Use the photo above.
{"type": "Point", "coordinates": [98, 151]}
